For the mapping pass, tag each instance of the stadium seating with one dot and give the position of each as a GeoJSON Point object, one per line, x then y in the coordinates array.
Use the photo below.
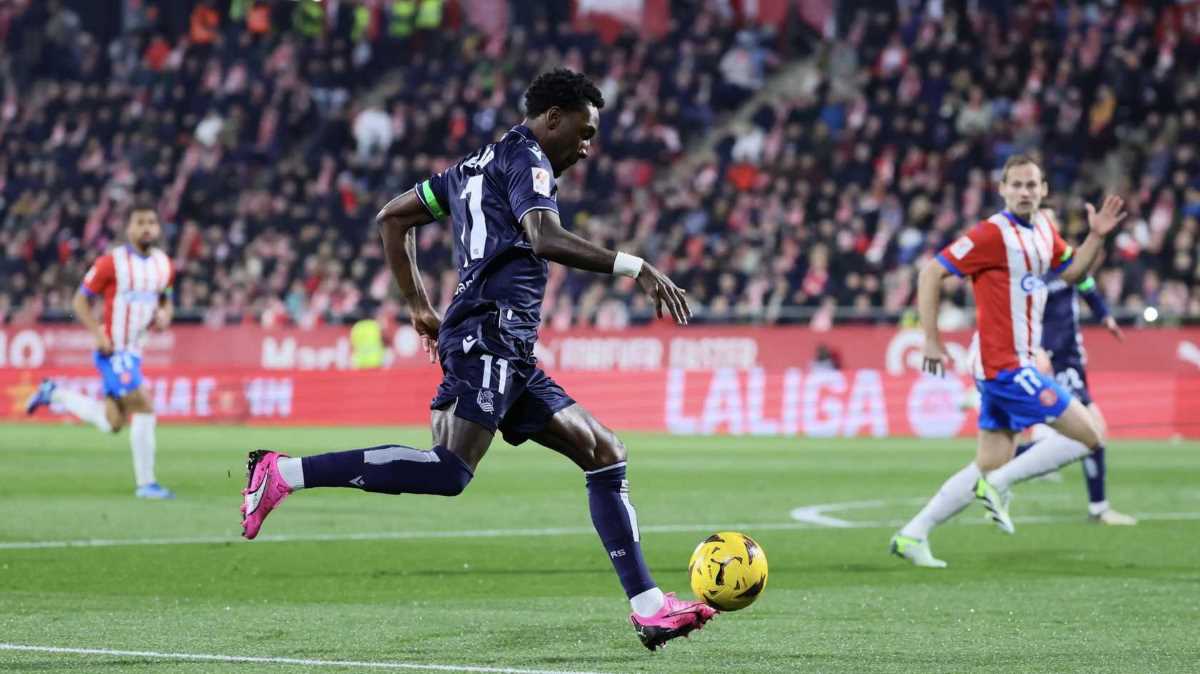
{"type": "Point", "coordinates": [268, 138]}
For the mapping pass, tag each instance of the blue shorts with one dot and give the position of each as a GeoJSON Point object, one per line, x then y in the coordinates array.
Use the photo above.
{"type": "Point", "coordinates": [1071, 375]}
{"type": "Point", "coordinates": [121, 372]}
{"type": "Point", "coordinates": [491, 378]}
{"type": "Point", "coordinates": [1019, 398]}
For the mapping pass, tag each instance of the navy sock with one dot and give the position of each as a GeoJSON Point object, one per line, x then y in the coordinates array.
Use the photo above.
{"type": "Point", "coordinates": [1094, 472]}
{"type": "Point", "coordinates": [616, 522]}
{"type": "Point", "coordinates": [389, 469]}
{"type": "Point", "coordinates": [1022, 448]}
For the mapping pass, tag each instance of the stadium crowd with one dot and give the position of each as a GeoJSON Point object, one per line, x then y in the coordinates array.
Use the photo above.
{"type": "Point", "coordinates": [268, 135]}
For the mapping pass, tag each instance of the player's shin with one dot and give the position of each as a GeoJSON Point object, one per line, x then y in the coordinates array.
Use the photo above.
{"type": "Point", "coordinates": [143, 444]}
{"type": "Point", "coordinates": [1094, 474]}
{"type": "Point", "coordinates": [87, 409]}
{"type": "Point", "coordinates": [1044, 456]}
{"type": "Point", "coordinates": [386, 469]}
{"type": "Point", "coordinates": [956, 493]}
{"type": "Point", "coordinates": [616, 523]}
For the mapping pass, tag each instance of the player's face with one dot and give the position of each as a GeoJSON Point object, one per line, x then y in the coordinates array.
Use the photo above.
{"type": "Point", "coordinates": [572, 137]}
{"type": "Point", "coordinates": [143, 229]}
{"type": "Point", "coordinates": [1023, 189]}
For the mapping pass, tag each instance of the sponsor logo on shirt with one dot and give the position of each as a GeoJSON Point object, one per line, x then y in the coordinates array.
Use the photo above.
{"type": "Point", "coordinates": [962, 247]}
{"type": "Point", "coordinates": [541, 181]}
{"type": "Point", "coordinates": [1031, 283]}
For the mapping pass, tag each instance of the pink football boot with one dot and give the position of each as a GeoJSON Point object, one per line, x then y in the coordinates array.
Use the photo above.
{"type": "Point", "coordinates": [676, 618]}
{"type": "Point", "coordinates": [264, 491]}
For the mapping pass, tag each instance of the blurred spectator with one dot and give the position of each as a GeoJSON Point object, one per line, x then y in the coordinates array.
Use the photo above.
{"type": "Point", "coordinates": [270, 133]}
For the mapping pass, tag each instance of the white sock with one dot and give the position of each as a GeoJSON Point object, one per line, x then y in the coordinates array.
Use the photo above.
{"type": "Point", "coordinates": [1095, 509]}
{"type": "Point", "coordinates": [87, 409]}
{"type": "Point", "coordinates": [141, 439]}
{"type": "Point", "coordinates": [292, 470]}
{"type": "Point", "coordinates": [648, 603]}
{"type": "Point", "coordinates": [1043, 457]}
{"type": "Point", "coordinates": [955, 494]}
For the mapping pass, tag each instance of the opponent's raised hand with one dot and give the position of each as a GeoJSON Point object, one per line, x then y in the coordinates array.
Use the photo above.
{"type": "Point", "coordinates": [1111, 212]}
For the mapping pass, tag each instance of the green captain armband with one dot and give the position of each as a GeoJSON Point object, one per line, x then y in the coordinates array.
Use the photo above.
{"type": "Point", "coordinates": [425, 191]}
{"type": "Point", "coordinates": [1088, 284]}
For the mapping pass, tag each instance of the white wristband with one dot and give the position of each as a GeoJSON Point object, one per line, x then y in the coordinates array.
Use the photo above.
{"type": "Point", "coordinates": [627, 265]}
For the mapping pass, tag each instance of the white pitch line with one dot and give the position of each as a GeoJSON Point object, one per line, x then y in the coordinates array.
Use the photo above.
{"type": "Point", "coordinates": [805, 523]}
{"type": "Point", "coordinates": [383, 536]}
{"type": "Point", "coordinates": [305, 662]}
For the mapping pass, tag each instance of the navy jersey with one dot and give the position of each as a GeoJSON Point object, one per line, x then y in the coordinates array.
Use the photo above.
{"type": "Point", "coordinates": [486, 194]}
{"type": "Point", "coordinates": [1060, 321]}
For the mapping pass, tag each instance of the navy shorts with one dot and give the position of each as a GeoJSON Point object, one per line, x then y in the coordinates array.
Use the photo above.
{"type": "Point", "coordinates": [121, 372]}
{"type": "Point", "coordinates": [1071, 375]}
{"type": "Point", "coordinates": [491, 378]}
{"type": "Point", "coordinates": [1018, 398]}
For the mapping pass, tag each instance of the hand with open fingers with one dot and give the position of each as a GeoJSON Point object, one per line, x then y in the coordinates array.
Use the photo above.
{"type": "Point", "coordinates": [1111, 212]}
{"type": "Point", "coordinates": [1110, 324]}
{"type": "Point", "coordinates": [664, 292]}
{"type": "Point", "coordinates": [934, 358]}
{"type": "Point", "coordinates": [427, 322]}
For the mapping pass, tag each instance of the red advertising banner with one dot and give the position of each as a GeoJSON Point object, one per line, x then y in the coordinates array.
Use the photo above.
{"type": "Point", "coordinates": [773, 401]}
{"type": "Point", "coordinates": [647, 349]}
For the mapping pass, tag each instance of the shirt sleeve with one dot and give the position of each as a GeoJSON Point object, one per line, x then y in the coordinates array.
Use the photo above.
{"type": "Point", "coordinates": [101, 275]}
{"type": "Point", "coordinates": [1094, 299]}
{"type": "Point", "coordinates": [1061, 253]}
{"type": "Point", "coordinates": [432, 195]}
{"type": "Point", "coordinates": [170, 288]}
{"type": "Point", "coordinates": [531, 182]}
{"type": "Point", "coordinates": [980, 249]}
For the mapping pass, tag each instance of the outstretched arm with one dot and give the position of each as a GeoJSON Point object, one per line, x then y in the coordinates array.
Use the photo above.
{"type": "Point", "coordinates": [397, 222]}
{"type": "Point", "coordinates": [550, 241]}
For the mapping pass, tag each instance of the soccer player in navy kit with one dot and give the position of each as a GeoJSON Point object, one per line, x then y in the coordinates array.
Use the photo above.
{"type": "Point", "coordinates": [1062, 342]}
{"type": "Point", "coordinates": [501, 203]}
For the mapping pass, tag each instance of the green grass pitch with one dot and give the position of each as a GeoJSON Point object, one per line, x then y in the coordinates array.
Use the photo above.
{"type": "Point", "coordinates": [510, 577]}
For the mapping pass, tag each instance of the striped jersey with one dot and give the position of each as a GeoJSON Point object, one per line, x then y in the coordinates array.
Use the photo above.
{"type": "Point", "coordinates": [131, 285]}
{"type": "Point", "coordinates": [1009, 261]}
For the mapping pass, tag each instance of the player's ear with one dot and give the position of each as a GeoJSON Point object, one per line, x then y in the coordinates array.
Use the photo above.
{"type": "Point", "coordinates": [554, 117]}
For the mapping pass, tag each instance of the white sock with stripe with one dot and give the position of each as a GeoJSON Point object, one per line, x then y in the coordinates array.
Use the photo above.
{"type": "Point", "coordinates": [85, 408]}
{"type": "Point", "coordinates": [956, 493]}
{"type": "Point", "coordinates": [141, 440]}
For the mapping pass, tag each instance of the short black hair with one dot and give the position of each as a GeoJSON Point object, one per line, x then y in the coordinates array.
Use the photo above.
{"type": "Point", "coordinates": [142, 205]}
{"type": "Point", "coordinates": [563, 88]}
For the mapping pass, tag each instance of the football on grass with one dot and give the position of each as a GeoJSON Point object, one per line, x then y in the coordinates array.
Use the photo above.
{"type": "Point", "coordinates": [728, 571]}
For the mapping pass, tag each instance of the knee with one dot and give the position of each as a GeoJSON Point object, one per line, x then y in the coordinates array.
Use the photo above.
{"type": "Point", "coordinates": [608, 450]}
{"type": "Point", "coordinates": [987, 464]}
{"type": "Point", "coordinates": [456, 485]}
{"type": "Point", "coordinates": [455, 478]}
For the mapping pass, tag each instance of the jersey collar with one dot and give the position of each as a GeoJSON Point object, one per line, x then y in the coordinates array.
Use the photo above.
{"type": "Point", "coordinates": [133, 251]}
{"type": "Point", "coordinates": [1017, 220]}
{"type": "Point", "coordinates": [525, 131]}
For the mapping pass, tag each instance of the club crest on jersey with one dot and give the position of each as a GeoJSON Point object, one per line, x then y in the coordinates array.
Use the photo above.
{"type": "Point", "coordinates": [486, 401]}
{"type": "Point", "coordinates": [1048, 397]}
{"type": "Point", "coordinates": [1031, 283]}
{"type": "Point", "coordinates": [962, 247]}
{"type": "Point", "coordinates": [541, 181]}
